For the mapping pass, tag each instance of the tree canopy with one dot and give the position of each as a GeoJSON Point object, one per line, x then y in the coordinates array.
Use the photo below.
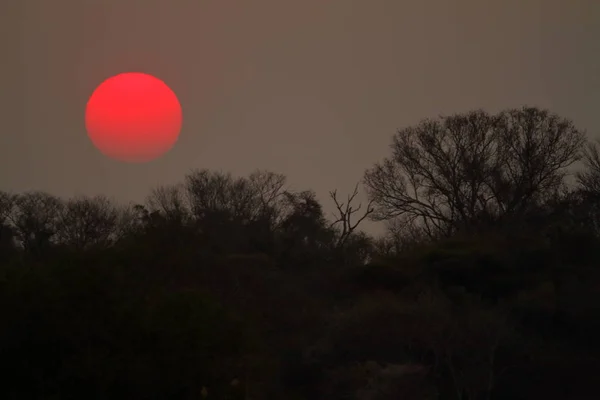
{"type": "Point", "coordinates": [449, 172]}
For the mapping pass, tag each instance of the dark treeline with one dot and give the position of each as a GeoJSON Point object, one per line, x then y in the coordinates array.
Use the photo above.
{"type": "Point", "coordinates": [485, 284]}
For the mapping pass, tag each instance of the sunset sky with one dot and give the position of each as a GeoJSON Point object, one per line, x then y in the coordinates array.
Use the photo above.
{"type": "Point", "coordinates": [313, 89]}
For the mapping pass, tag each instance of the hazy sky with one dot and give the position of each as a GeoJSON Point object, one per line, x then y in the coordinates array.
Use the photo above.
{"type": "Point", "coordinates": [313, 89]}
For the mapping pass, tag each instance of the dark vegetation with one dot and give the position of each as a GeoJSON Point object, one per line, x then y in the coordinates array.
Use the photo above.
{"type": "Point", "coordinates": [484, 286]}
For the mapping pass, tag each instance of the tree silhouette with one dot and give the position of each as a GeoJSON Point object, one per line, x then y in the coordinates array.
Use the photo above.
{"type": "Point", "coordinates": [84, 222]}
{"type": "Point", "coordinates": [589, 177]}
{"type": "Point", "coordinates": [345, 211]}
{"type": "Point", "coordinates": [450, 172]}
{"type": "Point", "coordinates": [169, 201]}
{"type": "Point", "coordinates": [35, 218]}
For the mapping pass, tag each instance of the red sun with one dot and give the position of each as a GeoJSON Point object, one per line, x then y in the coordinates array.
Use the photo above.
{"type": "Point", "coordinates": [133, 117]}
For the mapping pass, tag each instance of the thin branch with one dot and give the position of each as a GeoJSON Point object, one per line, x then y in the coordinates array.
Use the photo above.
{"type": "Point", "coordinates": [345, 211]}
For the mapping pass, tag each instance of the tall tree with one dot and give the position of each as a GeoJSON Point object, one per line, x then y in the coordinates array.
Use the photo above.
{"type": "Point", "coordinates": [457, 171]}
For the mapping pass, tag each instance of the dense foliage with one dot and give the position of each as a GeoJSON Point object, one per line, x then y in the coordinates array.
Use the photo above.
{"type": "Point", "coordinates": [485, 285]}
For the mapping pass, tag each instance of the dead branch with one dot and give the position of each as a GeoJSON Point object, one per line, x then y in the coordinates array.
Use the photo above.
{"type": "Point", "coordinates": [344, 214]}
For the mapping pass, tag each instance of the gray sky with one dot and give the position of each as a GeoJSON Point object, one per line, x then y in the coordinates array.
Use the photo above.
{"type": "Point", "coordinates": [313, 89]}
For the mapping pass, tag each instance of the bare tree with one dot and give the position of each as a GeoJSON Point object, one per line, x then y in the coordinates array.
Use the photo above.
{"type": "Point", "coordinates": [267, 185]}
{"type": "Point", "coordinates": [219, 193]}
{"type": "Point", "coordinates": [268, 188]}
{"type": "Point", "coordinates": [169, 200]}
{"type": "Point", "coordinates": [35, 218]}
{"type": "Point", "coordinates": [344, 214]}
{"type": "Point", "coordinates": [129, 221]}
{"type": "Point", "coordinates": [87, 221]}
{"type": "Point", "coordinates": [454, 171]}
{"type": "Point", "coordinates": [582, 205]}
{"type": "Point", "coordinates": [243, 211]}
{"type": "Point", "coordinates": [536, 148]}
{"type": "Point", "coordinates": [589, 178]}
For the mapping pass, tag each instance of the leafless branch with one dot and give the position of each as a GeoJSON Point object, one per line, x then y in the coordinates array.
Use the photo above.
{"type": "Point", "coordinates": [459, 171]}
{"type": "Point", "coordinates": [344, 214]}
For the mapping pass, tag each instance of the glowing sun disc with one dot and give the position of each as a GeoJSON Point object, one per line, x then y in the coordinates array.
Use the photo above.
{"type": "Point", "coordinates": [133, 117]}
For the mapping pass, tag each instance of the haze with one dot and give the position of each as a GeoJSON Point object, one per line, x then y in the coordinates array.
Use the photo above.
{"type": "Point", "coordinates": [312, 89]}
